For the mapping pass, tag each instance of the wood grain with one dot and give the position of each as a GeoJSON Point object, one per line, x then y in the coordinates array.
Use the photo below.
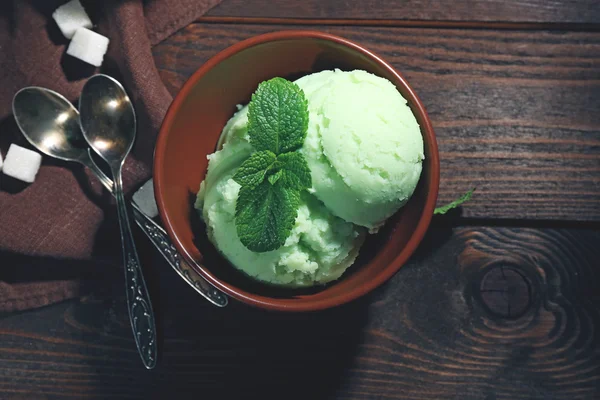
{"type": "Point", "coordinates": [561, 11]}
{"type": "Point", "coordinates": [424, 335]}
{"type": "Point", "coordinates": [515, 112]}
{"type": "Point", "coordinates": [407, 23]}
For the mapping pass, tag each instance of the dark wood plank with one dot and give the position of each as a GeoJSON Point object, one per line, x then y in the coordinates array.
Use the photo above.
{"type": "Point", "coordinates": [478, 313]}
{"type": "Point", "coordinates": [515, 112]}
{"type": "Point", "coordinates": [540, 11]}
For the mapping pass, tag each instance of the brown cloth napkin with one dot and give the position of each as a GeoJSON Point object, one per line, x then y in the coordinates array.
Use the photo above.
{"type": "Point", "coordinates": [51, 236]}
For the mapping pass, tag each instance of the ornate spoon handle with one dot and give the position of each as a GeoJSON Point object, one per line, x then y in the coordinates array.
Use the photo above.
{"type": "Point", "coordinates": [161, 241]}
{"type": "Point", "coordinates": [141, 314]}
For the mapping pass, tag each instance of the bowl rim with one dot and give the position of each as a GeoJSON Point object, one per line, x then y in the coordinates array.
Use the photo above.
{"type": "Point", "coordinates": [290, 304]}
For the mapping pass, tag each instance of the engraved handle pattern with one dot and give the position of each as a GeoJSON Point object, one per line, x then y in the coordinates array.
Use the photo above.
{"type": "Point", "coordinates": [140, 313]}
{"type": "Point", "coordinates": [161, 241]}
{"type": "Point", "coordinates": [138, 299]}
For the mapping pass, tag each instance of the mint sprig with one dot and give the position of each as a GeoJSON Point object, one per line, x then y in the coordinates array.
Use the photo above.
{"type": "Point", "coordinates": [265, 215]}
{"type": "Point", "coordinates": [273, 177]}
{"type": "Point", "coordinates": [253, 171]}
{"type": "Point", "coordinates": [465, 197]}
{"type": "Point", "coordinates": [277, 116]}
{"type": "Point", "coordinates": [295, 173]}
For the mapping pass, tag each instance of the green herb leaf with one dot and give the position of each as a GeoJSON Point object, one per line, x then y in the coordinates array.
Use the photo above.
{"type": "Point", "coordinates": [275, 177]}
{"type": "Point", "coordinates": [455, 203]}
{"type": "Point", "coordinates": [265, 215]}
{"type": "Point", "coordinates": [252, 172]}
{"type": "Point", "coordinates": [266, 209]}
{"type": "Point", "coordinates": [277, 116]}
{"type": "Point", "coordinates": [295, 171]}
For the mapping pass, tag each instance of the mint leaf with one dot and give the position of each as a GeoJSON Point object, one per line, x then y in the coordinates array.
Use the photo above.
{"type": "Point", "coordinates": [275, 177]}
{"type": "Point", "coordinates": [265, 215]}
{"type": "Point", "coordinates": [277, 116]}
{"type": "Point", "coordinates": [253, 171]}
{"type": "Point", "coordinates": [266, 209]}
{"type": "Point", "coordinates": [455, 203]}
{"type": "Point", "coordinates": [295, 171]}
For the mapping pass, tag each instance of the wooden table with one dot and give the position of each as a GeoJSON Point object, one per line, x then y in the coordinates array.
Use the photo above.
{"type": "Point", "coordinates": [500, 302]}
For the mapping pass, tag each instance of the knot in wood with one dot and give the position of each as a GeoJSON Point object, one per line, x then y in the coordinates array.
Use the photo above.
{"type": "Point", "coordinates": [505, 291]}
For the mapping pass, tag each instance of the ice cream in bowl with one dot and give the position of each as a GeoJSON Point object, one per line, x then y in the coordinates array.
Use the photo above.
{"type": "Point", "coordinates": [296, 171]}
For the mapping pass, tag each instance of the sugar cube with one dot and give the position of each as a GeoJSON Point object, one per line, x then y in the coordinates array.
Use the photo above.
{"type": "Point", "coordinates": [21, 163]}
{"type": "Point", "coordinates": [88, 46]}
{"type": "Point", "coordinates": [0, 161]}
{"type": "Point", "coordinates": [144, 198]}
{"type": "Point", "coordinates": [71, 16]}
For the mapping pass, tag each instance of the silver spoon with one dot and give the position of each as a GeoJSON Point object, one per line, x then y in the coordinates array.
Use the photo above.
{"type": "Point", "coordinates": [108, 125]}
{"type": "Point", "coordinates": [51, 124]}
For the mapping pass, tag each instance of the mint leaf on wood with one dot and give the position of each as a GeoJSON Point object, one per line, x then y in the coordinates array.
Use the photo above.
{"type": "Point", "coordinates": [277, 116]}
{"type": "Point", "coordinates": [465, 197]}
{"type": "Point", "coordinates": [295, 173]}
{"type": "Point", "coordinates": [265, 215]}
{"type": "Point", "coordinates": [252, 172]}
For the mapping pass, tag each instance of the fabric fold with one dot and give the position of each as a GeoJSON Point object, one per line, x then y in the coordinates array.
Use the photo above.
{"type": "Point", "coordinates": [65, 215]}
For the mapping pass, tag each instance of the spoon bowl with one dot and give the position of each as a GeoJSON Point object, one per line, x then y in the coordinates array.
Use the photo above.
{"type": "Point", "coordinates": [50, 123]}
{"type": "Point", "coordinates": [109, 126]}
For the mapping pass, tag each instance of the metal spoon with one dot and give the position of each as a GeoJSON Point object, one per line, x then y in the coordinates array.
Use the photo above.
{"type": "Point", "coordinates": [51, 124]}
{"type": "Point", "coordinates": [109, 126]}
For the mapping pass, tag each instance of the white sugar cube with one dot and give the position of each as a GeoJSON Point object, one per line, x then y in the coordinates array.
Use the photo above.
{"type": "Point", "coordinates": [0, 161]}
{"type": "Point", "coordinates": [71, 16]}
{"type": "Point", "coordinates": [144, 198]}
{"type": "Point", "coordinates": [88, 46]}
{"type": "Point", "coordinates": [21, 163]}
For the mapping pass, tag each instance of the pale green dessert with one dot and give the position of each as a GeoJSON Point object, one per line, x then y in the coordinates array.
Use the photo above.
{"type": "Point", "coordinates": [365, 151]}
{"type": "Point", "coordinates": [320, 248]}
{"type": "Point", "coordinates": [364, 146]}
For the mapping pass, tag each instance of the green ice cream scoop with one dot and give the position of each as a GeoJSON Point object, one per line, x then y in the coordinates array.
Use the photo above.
{"type": "Point", "coordinates": [320, 248]}
{"type": "Point", "coordinates": [365, 151]}
{"type": "Point", "coordinates": [364, 146]}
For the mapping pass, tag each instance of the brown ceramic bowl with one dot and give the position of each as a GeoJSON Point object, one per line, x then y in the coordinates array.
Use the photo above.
{"type": "Point", "coordinates": [192, 127]}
